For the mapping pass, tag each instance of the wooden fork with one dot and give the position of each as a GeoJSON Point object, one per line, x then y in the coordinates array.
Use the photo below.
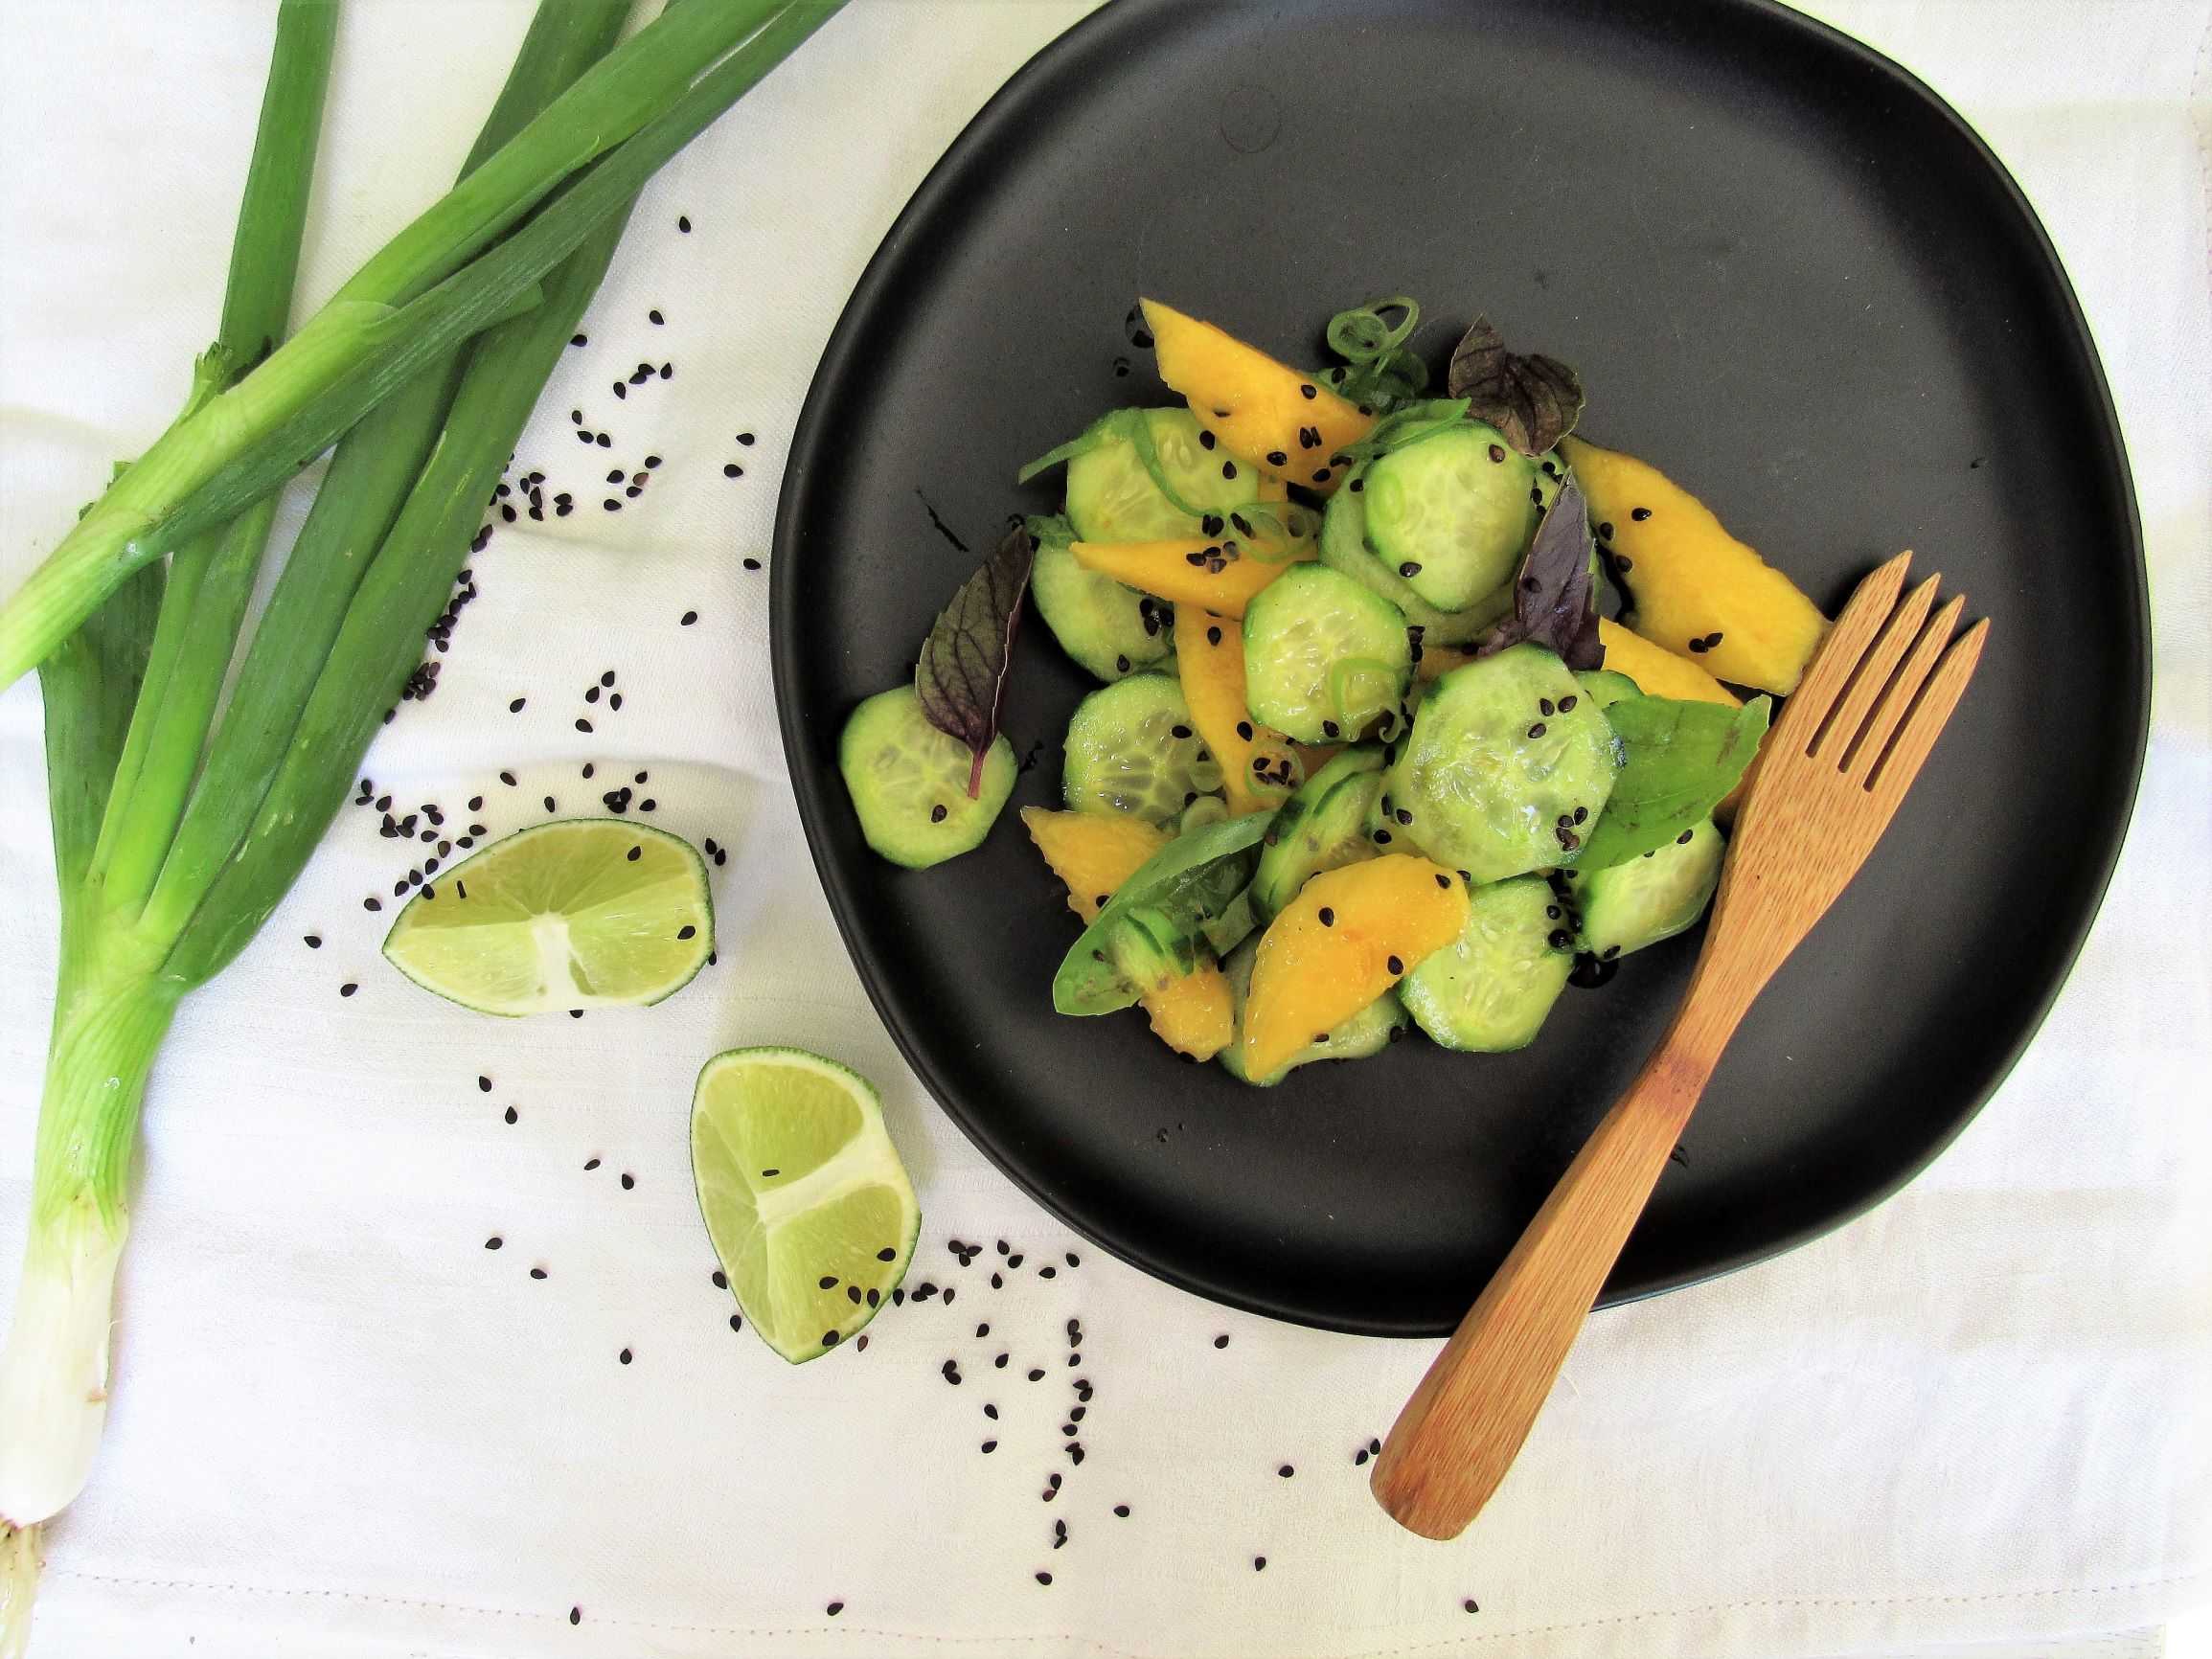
{"type": "Point", "coordinates": [1827, 782]}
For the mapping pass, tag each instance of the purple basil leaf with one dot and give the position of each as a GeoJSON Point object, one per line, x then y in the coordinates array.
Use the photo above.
{"type": "Point", "coordinates": [1533, 402]}
{"type": "Point", "coordinates": [1553, 599]}
{"type": "Point", "coordinates": [961, 674]}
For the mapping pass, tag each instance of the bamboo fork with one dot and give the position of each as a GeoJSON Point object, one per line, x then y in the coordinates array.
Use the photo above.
{"type": "Point", "coordinates": [1827, 782]}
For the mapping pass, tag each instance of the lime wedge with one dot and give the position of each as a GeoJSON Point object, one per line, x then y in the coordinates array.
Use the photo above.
{"type": "Point", "coordinates": [804, 1195]}
{"type": "Point", "coordinates": [584, 913]}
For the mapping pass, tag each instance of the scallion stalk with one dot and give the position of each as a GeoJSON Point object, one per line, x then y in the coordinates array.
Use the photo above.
{"type": "Point", "coordinates": [445, 278]}
{"type": "Point", "coordinates": [181, 820]}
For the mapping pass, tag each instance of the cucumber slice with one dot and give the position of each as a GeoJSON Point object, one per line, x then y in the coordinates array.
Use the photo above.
{"type": "Point", "coordinates": [1489, 990]}
{"type": "Point", "coordinates": [1323, 656]}
{"type": "Point", "coordinates": [1626, 906]}
{"type": "Point", "coordinates": [909, 781]}
{"type": "Point", "coordinates": [1344, 549]}
{"type": "Point", "coordinates": [1150, 475]}
{"type": "Point", "coordinates": [1369, 1032]}
{"type": "Point", "coordinates": [1453, 511]}
{"type": "Point", "coordinates": [1110, 629]}
{"type": "Point", "coordinates": [1322, 827]}
{"type": "Point", "coordinates": [1131, 748]}
{"type": "Point", "coordinates": [1507, 768]}
{"type": "Point", "coordinates": [1607, 688]}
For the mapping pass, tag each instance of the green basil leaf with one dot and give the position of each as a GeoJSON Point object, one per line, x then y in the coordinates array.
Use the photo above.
{"type": "Point", "coordinates": [1683, 758]}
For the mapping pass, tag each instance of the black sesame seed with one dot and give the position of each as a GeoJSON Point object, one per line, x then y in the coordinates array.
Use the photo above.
{"type": "Point", "coordinates": [687, 618]}
{"type": "Point", "coordinates": [1212, 636]}
{"type": "Point", "coordinates": [1537, 730]}
{"type": "Point", "coordinates": [516, 707]}
{"type": "Point", "coordinates": [1684, 839]}
{"type": "Point", "coordinates": [1568, 704]}
{"type": "Point", "coordinates": [348, 989]}
{"type": "Point", "coordinates": [1221, 1341]}
{"type": "Point", "coordinates": [1328, 917]}
{"type": "Point", "coordinates": [1640, 514]}
{"type": "Point", "coordinates": [1228, 469]}
{"type": "Point", "coordinates": [1443, 880]}
{"type": "Point", "coordinates": [1205, 440]}
{"type": "Point", "coordinates": [938, 813]}
{"type": "Point", "coordinates": [1287, 1471]}
{"type": "Point", "coordinates": [746, 439]}
{"type": "Point", "coordinates": [1259, 1564]}
{"type": "Point", "coordinates": [514, 1116]}
{"type": "Point", "coordinates": [629, 1181]}
{"type": "Point", "coordinates": [1276, 458]}
{"type": "Point", "coordinates": [625, 1357]}
{"type": "Point", "coordinates": [493, 1243]}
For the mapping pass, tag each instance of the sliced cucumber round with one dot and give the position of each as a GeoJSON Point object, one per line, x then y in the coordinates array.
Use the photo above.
{"type": "Point", "coordinates": [1489, 990]}
{"type": "Point", "coordinates": [1324, 825]}
{"type": "Point", "coordinates": [1453, 511]}
{"type": "Point", "coordinates": [1344, 549]}
{"type": "Point", "coordinates": [909, 781]}
{"type": "Point", "coordinates": [1508, 765]}
{"type": "Point", "coordinates": [1626, 906]}
{"type": "Point", "coordinates": [1323, 656]}
{"type": "Point", "coordinates": [1114, 493]}
{"type": "Point", "coordinates": [1367, 1032]}
{"type": "Point", "coordinates": [1131, 748]}
{"type": "Point", "coordinates": [1110, 629]}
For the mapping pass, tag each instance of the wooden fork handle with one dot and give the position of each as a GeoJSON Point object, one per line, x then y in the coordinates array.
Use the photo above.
{"type": "Point", "coordinates": [1461, 1430]}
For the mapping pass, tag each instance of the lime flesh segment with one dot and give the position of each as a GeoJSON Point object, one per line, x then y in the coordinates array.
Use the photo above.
{"type": "Point", "coordinates": [803, 1194]}
{"type": "Point", "coordinates": [584, 913]}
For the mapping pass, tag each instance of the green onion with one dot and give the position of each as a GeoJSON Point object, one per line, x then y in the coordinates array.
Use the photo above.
{"type": "Point", "coordinates": [442, 279]}
{"type": "Point", "coordinates": [181, 818]}
{"type": "Point", "coordinates": [111, 1008]}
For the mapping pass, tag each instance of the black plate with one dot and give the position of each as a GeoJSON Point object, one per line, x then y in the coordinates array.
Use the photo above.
{"type": "Point", "coordinates": [1791, 277]}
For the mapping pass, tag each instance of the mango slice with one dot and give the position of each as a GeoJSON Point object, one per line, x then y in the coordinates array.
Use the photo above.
{"type": "Point", "coordinates": [1697, 591]}
{"type": "Point", "coordinates": [1214, 576]}
{"type": "Point", "coordinates": [1093, 853]}
{"type": "Point", "coordinates": [1264, 413]}
{"type": "Point", "coordinates": [1658, 672]}
{"type": "Point", "coordinates": [1194, 1014]}
{"type": "Point", "coordinates": [1258, 769]}
{"type": "Point", "coordinates": [1350, 935]}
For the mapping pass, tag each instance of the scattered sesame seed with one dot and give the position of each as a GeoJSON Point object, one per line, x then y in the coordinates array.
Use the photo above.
{"type": "Point", "coordinates": [625, 1357]}
{"type": "Point", "coordinates": [629, 1181]}
{"type": "Point", "coordinates": [687, 618]}
{"type": "Point", "coordinates": [493, 1243]}
{"type": "Point", "coordinates": [348, 989]}
{"type": "Point", "coordinates": [1221, 1341]}
{"type": "Point", "coordinates": [512, 1116]}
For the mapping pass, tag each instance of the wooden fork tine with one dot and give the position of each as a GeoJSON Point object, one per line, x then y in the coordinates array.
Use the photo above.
{"type": "Point", "coordinates": [1871, 678]}
{"type": "Point", "coordinates": [1894, 772]}
{"type": "Point", "coordinates": [1881, 726]}
{"type": "Point", "coordinates": [1838, 654]}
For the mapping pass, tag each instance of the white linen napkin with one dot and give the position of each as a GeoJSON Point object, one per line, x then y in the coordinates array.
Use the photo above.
{"type": "Point", "coordinates": [1972, 1420]}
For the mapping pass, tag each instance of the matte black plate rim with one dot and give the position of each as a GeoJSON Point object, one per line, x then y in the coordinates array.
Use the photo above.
{"type": "Point", "coordinates": [812, 439]}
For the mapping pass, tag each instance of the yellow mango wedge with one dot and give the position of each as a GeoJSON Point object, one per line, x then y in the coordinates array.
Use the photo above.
{"type": "Point", "coordinates": [1206, 574]}
{"type": "Point", "coordinates": [1264, 413]}
{"type": "Point", "coordinates": [1258, 768]}
{"type": "Point", "coordinates": [1697, 591]}
{"type": "Point", "coordinates": [1657, 673]}
{"type": "Point", "coordinates": [1350, 935]}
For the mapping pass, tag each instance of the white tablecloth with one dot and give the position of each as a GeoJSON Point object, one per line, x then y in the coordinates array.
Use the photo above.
{"type": "Point", "coordinates": [1973, 1420]}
